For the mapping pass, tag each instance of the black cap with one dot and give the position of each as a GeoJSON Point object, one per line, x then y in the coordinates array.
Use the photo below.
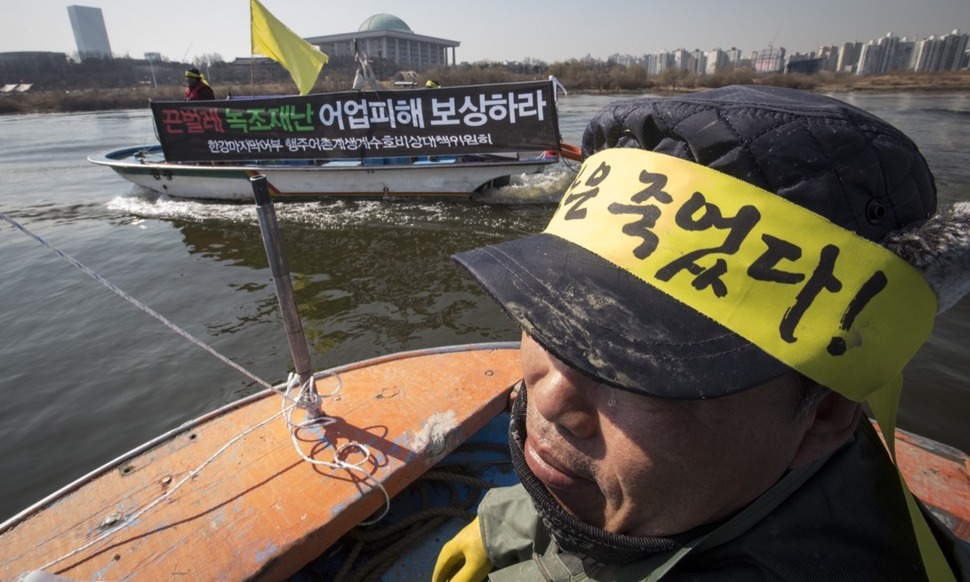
{"type": "Point", "coordinates": [820, 153]}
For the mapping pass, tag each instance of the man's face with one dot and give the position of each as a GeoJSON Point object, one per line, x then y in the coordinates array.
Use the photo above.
{"type": "Point", "coordinates": [638, 465]}
{"type": "Point", "coordinates": [191, 81]}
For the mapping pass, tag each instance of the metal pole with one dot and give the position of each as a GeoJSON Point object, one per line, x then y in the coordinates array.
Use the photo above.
{"type": "Point", "coordinates": [284, 289]}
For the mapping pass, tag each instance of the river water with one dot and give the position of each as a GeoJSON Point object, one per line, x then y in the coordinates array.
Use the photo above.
{"type": "Point", "coordinates": [84, 376]}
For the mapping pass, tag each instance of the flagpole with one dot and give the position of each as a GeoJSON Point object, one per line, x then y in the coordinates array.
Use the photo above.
{"type": "Point", "coordinates": [252, 56]}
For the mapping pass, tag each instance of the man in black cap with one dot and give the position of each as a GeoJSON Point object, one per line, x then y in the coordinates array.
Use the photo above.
{"type": "Point", "coordinates": [717, 294]}
{"type": "Point", "coordinates": [196, 87]}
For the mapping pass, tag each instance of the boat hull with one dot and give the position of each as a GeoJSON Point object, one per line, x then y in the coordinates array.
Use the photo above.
{"type": "Point", "coordinates": [257, 510]}
{"type": "Point", "coordinates": [447, 177]}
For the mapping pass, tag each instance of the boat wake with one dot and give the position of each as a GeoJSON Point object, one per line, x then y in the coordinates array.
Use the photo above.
{"type": "Point", "coordinates": [543, 188]}
{"type": "Point", "coordinates": [335, 213]}
{"type": "Point", "coordinates": [146, 203]}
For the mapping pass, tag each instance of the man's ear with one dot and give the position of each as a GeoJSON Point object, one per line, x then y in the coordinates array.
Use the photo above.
{"type": "Point", "coordinates": [831, 425]}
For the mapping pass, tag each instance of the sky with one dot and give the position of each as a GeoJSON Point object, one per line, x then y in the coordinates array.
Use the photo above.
{"type": "Point", "coordinates": [496, 30]}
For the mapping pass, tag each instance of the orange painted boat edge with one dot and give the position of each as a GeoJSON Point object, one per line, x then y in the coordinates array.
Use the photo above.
{"type": "Point", "coordinates": [285, 512]}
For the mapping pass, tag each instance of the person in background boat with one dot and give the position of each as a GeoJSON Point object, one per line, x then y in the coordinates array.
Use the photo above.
{"type": "Point", "coordinates": [196, 87]}
{"type": "Point", "coordinates": [701, 320]}
{"type": "Point", "coordinates": [432, 84]}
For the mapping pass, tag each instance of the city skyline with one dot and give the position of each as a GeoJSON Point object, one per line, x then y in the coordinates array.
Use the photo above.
{"type": "Point", "coordinates": [502, 31]}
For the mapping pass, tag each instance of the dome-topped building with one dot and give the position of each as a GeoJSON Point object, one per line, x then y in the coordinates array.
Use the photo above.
{"type": "Point", "coordinates": [389, 37]}
{"type": "Point", "coordinates": [384, 22]}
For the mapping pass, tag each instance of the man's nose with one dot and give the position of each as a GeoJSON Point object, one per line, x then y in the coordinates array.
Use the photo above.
{"type": "Point", "coordinates": [563, 398]}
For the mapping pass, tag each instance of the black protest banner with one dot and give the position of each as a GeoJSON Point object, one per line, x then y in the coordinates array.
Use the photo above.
{"type": "Point", "coordinates": [421, 122]}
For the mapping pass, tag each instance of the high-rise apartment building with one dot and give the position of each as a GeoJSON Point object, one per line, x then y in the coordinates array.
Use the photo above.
{"type": "Point", "coordinates": [849, 55]}
{"type": "Point", "coordinates": [717, 61]}
{"type": "Point", "coordinates": [830, 56]}
{"type": "Point", "coordinates": [947, 53]}
{"type": "Point", "coordinates": [90, 35]}
{"type": "Point", "coordinates": [771, 60]}
{"type": "Point", "coordinates": [734, 56]}
{"type": "Point", "coordinates": [953, 51]}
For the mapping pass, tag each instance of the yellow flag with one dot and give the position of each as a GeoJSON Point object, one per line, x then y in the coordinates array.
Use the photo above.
{"type": "Point", "coordinates": [271, 38]}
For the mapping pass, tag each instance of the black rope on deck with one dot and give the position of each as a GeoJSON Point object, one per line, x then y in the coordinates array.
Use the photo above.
{"type": "Point", "coordinates": [418, 526]}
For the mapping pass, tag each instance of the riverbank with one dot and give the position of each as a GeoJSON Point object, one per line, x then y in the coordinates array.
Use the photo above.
{"type": "Point", "coordinates": [107, 99]}
{"type": "Point", "coordinates": [958, 82]}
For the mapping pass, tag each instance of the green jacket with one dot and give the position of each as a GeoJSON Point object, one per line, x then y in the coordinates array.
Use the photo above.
{"type": "Point", "coordinates": [842, 519]}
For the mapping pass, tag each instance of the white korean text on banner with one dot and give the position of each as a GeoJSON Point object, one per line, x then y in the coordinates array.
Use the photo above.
{"type": "Point", "coordinates": [445, 121]}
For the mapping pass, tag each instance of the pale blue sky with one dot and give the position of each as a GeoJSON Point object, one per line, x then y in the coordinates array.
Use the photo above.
{"type": "Point", "coordinates": [494, 30]}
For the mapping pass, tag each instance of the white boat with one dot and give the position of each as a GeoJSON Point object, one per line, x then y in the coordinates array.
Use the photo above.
{"type": "Point", "coordinates": [455, 141]}
{"type": "Point", "coordinates": [458, 141]}
{"type": "Point", "coordinates": [456, 176]}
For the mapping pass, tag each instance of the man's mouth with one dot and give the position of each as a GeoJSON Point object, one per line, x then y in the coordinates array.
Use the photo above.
{"type": "Point", "coordinates": [552, 473]}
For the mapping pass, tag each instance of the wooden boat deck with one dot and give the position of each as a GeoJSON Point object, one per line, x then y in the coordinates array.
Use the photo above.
{"type": "Point", "coordinates": [939, 475]}
{"type": "Point", "coordinates": [258, 511]}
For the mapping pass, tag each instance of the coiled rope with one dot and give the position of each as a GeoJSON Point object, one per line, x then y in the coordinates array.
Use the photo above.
{"type": "Point", "coordinates": [289, 404]}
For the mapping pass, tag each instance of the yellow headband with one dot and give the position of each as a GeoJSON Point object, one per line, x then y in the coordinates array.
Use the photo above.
{"type": "Point", "coordinates": [193, 75]}
{"type": "Point", "coordinates": [836, 307]}
{"type": "Point", "coordinates": [832, 305]}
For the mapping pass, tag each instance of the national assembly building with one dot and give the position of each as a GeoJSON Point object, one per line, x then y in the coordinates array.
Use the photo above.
{"type": "Point", "coordinates": [387, 36]}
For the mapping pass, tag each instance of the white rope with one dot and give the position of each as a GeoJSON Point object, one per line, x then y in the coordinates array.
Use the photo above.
{"type": "Point", "coordinates": [286, 411]}
{"type": "Point", "coordinates": [164, 496]}
{"type": "Point", "coordinates": [110, 286]}
{"type": "Point", "coordinates": [323, 421]}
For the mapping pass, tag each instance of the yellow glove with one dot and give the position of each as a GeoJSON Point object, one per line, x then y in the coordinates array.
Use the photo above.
{"type": "Point", "coordinates": [463, 559]}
